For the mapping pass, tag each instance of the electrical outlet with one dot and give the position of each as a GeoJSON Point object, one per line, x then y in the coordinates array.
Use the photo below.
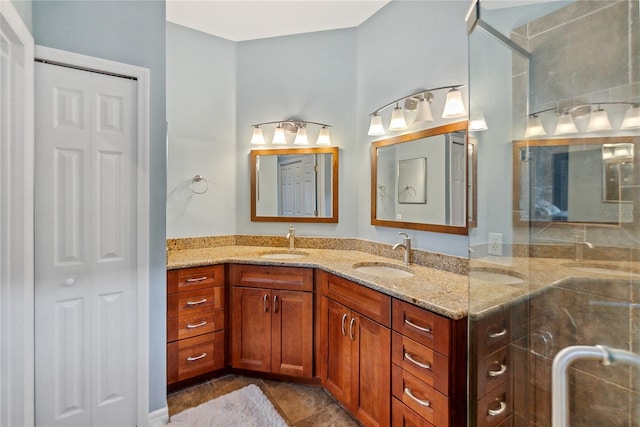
{"type": "Point", "coordinates": [495, 243]}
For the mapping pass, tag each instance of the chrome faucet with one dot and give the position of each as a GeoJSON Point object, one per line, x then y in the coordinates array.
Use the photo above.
{"type": "Point", "coordinates": [579, 241]}
{"type": "Point", "coordinates": [291, 235]}
{"type": "Point", "coordinates": [406, 245]}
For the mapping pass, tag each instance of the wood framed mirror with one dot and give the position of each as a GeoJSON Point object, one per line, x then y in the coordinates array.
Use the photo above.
{"type": "Point", "coordinates": [422, 180]}
{"type": "Point", "coordinates": [294, 185]}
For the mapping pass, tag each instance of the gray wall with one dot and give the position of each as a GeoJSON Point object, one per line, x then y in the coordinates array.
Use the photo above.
{"type": "Point", "coordinates": [23, 7]}
{"type": "Point", "coordinates": [131, 32]}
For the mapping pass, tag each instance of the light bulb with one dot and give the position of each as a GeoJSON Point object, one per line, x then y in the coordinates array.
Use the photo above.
{"type": "Point", "coordinates": [631, 118]}
{"type": "Point", "coordinates": [477, 122]}
{"type": "Point", "coordinates": [454, 107]}
{"type": "Point", "coordinates": [257, 138]}
{"type": "Point", "coordinates": [278, 136]}
{"type": "Point", "coordinates": [301, 137]}
{"type": "Point", "coordinates": [398, 121]}
{"type": "Point", "coordinates": [565, 125]}
{"type": "Point", "coordinates": [598, 121]}
{"type": "Point", "coordinates": [423, 113]}
{"type": "Point", "coordinates": [323, 137]}
{"type": "Point", "coordinates": [376, 127]}
{"type": "Point", "coordinates": [534, 127]}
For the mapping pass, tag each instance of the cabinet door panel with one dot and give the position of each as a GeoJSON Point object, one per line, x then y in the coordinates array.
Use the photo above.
{"type": "Point", "coordinates": [336, 375]}
{"type": "Point", "coordinates": [292, 333]}
{"type": "Point", "coordinates": [251, 329]}
{"type": "Point", "coordinates": [372, 343]}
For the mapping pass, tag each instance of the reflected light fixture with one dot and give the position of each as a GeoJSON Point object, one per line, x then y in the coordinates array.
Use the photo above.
{"type": "Point", "coordinates": [299, 127]}
{"type": "Point", "coordinates": [565, 125]}
{"type": "Point", "coordinates": [454, 107]}
{"type": "Point", "coordinates": [598, 121]}
{"type": "Point", "coordinates": [398, 122]}
{"type": "Point", "coordinates": [477, 122]}
{"type": "Point", "coordinates": [257, 138]}
{"type": "Point", "coordinates": [534, 127]}
{"type": "Point", "coordinates": [420, 102]}
{"type": "Point", "coordinates": [631, 118]}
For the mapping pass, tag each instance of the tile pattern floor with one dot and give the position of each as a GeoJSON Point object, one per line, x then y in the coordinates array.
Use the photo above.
{"type": "Point", "coordinates": [300, 405]}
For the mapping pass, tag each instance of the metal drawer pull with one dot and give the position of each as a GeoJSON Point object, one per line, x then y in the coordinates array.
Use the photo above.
{"type": "Point", "coordinates": [410, 358]}
{"type": "Point", "coordinates": [498, 334]}
{"type": "Point", "coordinates": [420, 328]}
{"type": "Point", "coordinates": [344, 324]}
{"type": "Point", "coordinates": [500, 410]}
{"type": "Point", "coordinates": [197, 325]}
{"type": "Point", "coordinates": [191, 359]}
{"type": "Point", "coordinates": [500, 371]}
{"type": "Point", "coordinates": [351, 335]}
{"type": "Point", "coordinates": [202, 301]}
{"type": "Point", "coordinates": [265, 299]}
{"type": "Point", "coordinates": [409, 393]}
{"type": "Point", "coordinates": [197, 279]}
{"type": "Point", "coordinates": [275, 303]}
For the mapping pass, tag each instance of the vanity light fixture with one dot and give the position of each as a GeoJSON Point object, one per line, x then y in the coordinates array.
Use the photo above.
{"type": "Point", "coordinates": [420, 101]}
{"type": "Point", "coordinates": [299, 127]}
{"type": "Point", "coordinates": [477, 122]}
{"type": "Point", "coordinates": [598, 118]}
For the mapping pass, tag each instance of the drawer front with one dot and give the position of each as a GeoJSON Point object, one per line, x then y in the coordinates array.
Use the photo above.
{"type": "Point", "coordinates": [423, 399]}
{"type": "Point", "coordinates": [495, 406]}
{"type": "Point", "coordinates": [194, 278]}
{"type": "Point", "coordinates": [423, 326]}
{"type": "Point", "coordinates": [192, 325]}
{"type": "Point", "coordinates": [494, 370]}
{"type": "Point", "coordinates": [270, 277]}
{"type": "Point", "coordinates": [402, 416]}
{"type": "Point", "coordinates": [365, 301]}
{"type": "Point", "coordinates": [427, 365]}
{"type": "Point", "coordinates": [186, 303]}
{"type": "Point", "coordinates": [195, 356]}
{"type": "Point", "coordinates": [492, 332]}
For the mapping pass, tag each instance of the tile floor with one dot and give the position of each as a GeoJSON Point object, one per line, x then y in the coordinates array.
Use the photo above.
{"type": "Point", "coordinates": [300, 405]}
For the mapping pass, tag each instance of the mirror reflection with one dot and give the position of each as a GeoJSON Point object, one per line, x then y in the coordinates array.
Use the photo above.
{"type": "Point", "coordinates": [419, 180]}
{"type": "Point", "coordinates": [294, 185]}
{"type": "Point", "coordinates": [576, 180]}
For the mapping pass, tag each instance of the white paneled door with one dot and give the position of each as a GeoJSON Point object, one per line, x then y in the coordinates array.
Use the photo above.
{"type": "Point", "coordinates": [85, 248]}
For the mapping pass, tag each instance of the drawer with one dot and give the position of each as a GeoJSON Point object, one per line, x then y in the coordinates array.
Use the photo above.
{"type": "Point", "coordinates": [195, 356]}
{"type": "Point", "coordinates": [269, 277]}
{"type": "Point", "coordinates": [402, 416]}
{"type": "Point", "coordinates": [194, 278]}
{"type": "Point", "coordinates": [423, 399]}
{"type": "Point", "coordinates": [492, 332]}
{"type": "Point", "coordinates": [494, 370]}
{"type": "Point", "coordinates": [369, 303]}
{"type": "Point", "coordinates": [191, 325]}
{"type": "Point", "coordinates": [185, 303]}
{"type": "Point", "coordinates": [427, 365]}
{"type": "Point", "coordinates": [495, 406]}
{"type": "Point", "coordinates": [423, 326]}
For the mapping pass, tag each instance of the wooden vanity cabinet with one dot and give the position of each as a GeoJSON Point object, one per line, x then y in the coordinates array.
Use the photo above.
{"type": "Point", "coordinates": [272, 319]}
{"type": "Point", "coordinates": [195, 322]}
{"type": "Point", "coordinates": [355, 342]}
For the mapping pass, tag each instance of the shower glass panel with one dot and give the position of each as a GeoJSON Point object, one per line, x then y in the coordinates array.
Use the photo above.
{"type": "Point", "coordinates": [555, 256]}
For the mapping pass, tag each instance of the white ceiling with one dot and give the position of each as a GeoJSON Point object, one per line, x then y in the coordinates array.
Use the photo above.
{"type": "Point", "coordinates": [240, 20]}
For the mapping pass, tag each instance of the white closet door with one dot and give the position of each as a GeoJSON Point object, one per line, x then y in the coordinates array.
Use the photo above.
{"type": "Point", "coordinates": [85, 228]}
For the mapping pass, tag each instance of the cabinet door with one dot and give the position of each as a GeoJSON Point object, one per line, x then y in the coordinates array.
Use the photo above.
{"type": "Point", "coordinates": [251, 329]}
{"type": "Point", "coordinates": [336, 369]}
{"type": "Point", "coordinates": [292, 333]}
{"type": "Point", "coordinates": [371, 360]}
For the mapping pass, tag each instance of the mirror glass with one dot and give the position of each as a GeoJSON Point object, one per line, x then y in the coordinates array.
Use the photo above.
{"type": "Point", "coordinates": [586, 180]}
{"type": "Point", "coordinates": [419, 180]}
{"type": "Point", "coordinates": [294, 185]}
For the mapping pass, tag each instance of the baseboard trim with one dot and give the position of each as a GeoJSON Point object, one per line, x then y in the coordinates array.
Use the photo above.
{"type": "Point", "coordinates": [159, 417]}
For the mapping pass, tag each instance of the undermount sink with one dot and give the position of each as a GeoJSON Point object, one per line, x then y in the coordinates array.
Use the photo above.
{"type": "Point", "coordinates": [284, 254]}
{"type": "Point", "coordinates": [610, 270]}
{"type": "Point", "coordinates": [504, 277]}
{"type": "Point", "coordinates": [383, 270]}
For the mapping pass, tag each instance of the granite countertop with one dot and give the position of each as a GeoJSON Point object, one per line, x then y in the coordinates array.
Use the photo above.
{"type": "Point", "coordinates": [493, 282]}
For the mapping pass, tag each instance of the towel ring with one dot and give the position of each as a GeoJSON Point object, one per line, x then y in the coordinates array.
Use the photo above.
{"type": "Point", "coordinates": [199, 178]}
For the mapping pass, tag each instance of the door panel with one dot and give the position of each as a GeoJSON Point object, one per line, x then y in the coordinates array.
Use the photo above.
{"type": "Point", "coordinates": [292, 333]}
{"type": "Point", "coordinates": [337, 378]}
{"type": "Point", "coordinates": [251, 329]}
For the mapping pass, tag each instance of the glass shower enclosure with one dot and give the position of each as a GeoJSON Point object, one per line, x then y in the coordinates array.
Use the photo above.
{"type": "Point", "coordinates": [554, 316]}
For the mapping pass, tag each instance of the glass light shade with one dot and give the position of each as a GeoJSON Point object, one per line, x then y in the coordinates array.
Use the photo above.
{"type": "Point", "coordinates": [257, 138]}
{"type": "Point", "coordinates": [598, 121]}
{"type": "Point", "coordinates": [278, 136]}
{"type": "Point", "coordinates": [301, 137]}
{"type": "Point", "coordinates": [534, 127]}
{"type": "Point", "coordinates": [477, 122]}
{"type": "Point", "coordinates": [454, 107]}
{"type": "Point", "coordinates": [631, 118]}
{"type": "Point", "coordinates": [565, 125]}
{"type": "Point", "coordinates": [423, 113]}
{"type": "Point", "coordinates": [398, 122]}
{"type": "Point", "coordinates": [376, 127]}
{"type": "Point", "coordinates": [323, 137]}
